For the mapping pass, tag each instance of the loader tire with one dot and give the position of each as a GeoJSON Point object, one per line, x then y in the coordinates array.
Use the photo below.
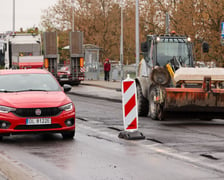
{"type": "Point", "coordinates": [155, 110]}
{"type": "Point", "coordinates": [143, 104]}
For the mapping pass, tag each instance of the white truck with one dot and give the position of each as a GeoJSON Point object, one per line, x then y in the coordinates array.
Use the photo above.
{"type": "Point", "coordinates": [23, 51]}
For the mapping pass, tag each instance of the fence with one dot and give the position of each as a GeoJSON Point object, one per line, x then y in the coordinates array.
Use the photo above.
{"type": "Point", "coordinates": [115, 73]}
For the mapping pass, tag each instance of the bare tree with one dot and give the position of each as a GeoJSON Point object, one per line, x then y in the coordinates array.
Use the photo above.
{"type": "Point", "coordinates": [100, 22]}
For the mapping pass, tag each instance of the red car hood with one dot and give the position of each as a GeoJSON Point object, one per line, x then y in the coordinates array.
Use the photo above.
{"type": "Point", "coordinates": [34, 99]}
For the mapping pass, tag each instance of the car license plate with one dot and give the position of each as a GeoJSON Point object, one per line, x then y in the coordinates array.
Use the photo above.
{"type": "Point", "coordinates": [38, 121]}
{"type": "Point", "coordinates": [64, 79]}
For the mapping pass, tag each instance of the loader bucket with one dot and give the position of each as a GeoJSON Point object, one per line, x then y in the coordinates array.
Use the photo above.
{"type": "Point", "coordinates": [195, 101]}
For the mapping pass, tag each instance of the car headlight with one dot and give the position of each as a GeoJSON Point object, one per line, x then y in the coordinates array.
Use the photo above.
{"type": "Point", "coordinates": [67, 107]}
{"type": "Point", "coordinates": [160, 76]}
{"type": "Point", "coordinates": [6, 109]}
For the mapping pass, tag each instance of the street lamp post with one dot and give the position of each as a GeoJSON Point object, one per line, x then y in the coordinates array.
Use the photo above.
{"type": "Point", "coordinates": [73, 16]}
{"type": "Point", "coordinates": [13, 18]}
{"type": "Point", "coordinates": [167, 23]}
{"type": "Point", "coordinates": [137, 36]}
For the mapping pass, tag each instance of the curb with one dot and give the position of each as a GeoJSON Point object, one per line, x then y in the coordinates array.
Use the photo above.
{"type": "Point", "coordinates": [13, 170]}
{"type": "Point", "coordinates": [96, 97]}
{"type": "Point", "coordinates": [2, 176]}
{"type": "Point", "coordinates": [101, 86]}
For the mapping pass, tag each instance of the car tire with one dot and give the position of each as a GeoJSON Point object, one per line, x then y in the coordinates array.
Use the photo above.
{"type": "Point", "coordinates": [155, 110]}
{"type": "Point", "coordinates": [76, 83]}
{"type": "Point", "coordinates": [68, 135]}
{"type": "Point", "coordinates": [143, 104]}
{"type": "Point", "coordinates": [206, 119]}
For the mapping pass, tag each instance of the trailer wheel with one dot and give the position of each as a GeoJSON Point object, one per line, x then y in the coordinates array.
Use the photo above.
{"type": "Point", "coordinates": [155, 109]}
{"type": "Point", "coordinates": [143, 104]}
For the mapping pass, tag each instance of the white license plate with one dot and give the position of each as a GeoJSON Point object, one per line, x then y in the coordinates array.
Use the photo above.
{"type": "Point", "coordinates": [64, 79]}
{"type": "Point", "coordinates": [38, 121]}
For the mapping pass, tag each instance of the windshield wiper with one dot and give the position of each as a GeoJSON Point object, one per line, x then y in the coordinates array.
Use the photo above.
{"type": "Point", "coordinates": [23, 90]}
{"type": "Point", "coordinates": [6, 91]}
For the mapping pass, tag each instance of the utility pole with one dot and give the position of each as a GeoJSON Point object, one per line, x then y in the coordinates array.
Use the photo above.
{"type": "Point", "coordinates": [73, 16]}
{"type": "Point", "coordinates": [121, 43]}
{"type": "Point", "coordinates": [167, 23]}
{"type": "Point", "coordinates": [13, 18]}
{"type": "Point", "coordinates": [137, 36]}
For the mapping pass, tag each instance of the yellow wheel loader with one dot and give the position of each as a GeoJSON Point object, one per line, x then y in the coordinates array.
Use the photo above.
{"type": "Point", "coordinates": [169, 85]}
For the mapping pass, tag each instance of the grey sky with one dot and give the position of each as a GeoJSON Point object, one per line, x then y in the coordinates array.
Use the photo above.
{"type": "Point", "coordinates": [28, 13]}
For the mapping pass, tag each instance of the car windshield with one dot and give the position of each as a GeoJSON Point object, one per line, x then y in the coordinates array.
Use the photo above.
{"type": "Point", "coordinates": [28, 82]}
{"type": "Point", "coordinates": [168, 50]}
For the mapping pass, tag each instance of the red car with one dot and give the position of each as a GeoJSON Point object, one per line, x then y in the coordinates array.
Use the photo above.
{"type": "Point", "coordinates": [65, 76]}
{"type": "Point", "coordinates": [32, 101]}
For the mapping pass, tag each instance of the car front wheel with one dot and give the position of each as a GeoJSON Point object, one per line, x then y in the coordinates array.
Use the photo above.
{"type": "Point", "coordinates": [68, 135]}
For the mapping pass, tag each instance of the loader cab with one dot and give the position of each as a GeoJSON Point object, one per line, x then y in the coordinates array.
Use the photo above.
{"type": "Point", "coordinates": [158, 50]}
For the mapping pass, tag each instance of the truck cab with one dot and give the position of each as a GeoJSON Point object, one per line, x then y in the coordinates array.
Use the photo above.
{"type": "Point", "coordinates": [24, 51]}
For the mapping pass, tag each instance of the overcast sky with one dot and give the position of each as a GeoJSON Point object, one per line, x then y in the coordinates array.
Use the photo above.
{"type": "Point", "coordinates": [27, 13]}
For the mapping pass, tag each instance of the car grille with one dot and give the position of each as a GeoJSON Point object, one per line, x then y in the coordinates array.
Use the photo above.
{"type": "Point", "coordinates": [30, 112]}
{"type": "Point", "coordinates": [30, 127]}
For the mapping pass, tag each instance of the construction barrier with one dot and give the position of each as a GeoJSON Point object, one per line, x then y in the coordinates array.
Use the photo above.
{"type": "Point", "coordinates": [130, 111]}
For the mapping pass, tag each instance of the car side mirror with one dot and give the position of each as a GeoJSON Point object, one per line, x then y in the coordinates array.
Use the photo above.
{"type": "Point", "coordinates": [205, 47]}
{"type": "Point", "coordinates": [144, 47]}
{"type": "Point", "coordinates": [67, 87]}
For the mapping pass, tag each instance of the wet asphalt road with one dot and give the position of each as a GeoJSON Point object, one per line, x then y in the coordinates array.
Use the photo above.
{"type": "Point", "coordinates": [174, 149]}
{"type": "Point", "coordinates": [90, 157]}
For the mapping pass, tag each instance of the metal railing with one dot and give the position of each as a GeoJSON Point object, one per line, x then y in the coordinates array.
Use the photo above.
{"type": "Point", "coordinates": [115, 73]}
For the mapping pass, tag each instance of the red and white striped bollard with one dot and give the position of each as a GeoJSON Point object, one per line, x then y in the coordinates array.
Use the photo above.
{"type": "Point", "coordinates": [130, 110]}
